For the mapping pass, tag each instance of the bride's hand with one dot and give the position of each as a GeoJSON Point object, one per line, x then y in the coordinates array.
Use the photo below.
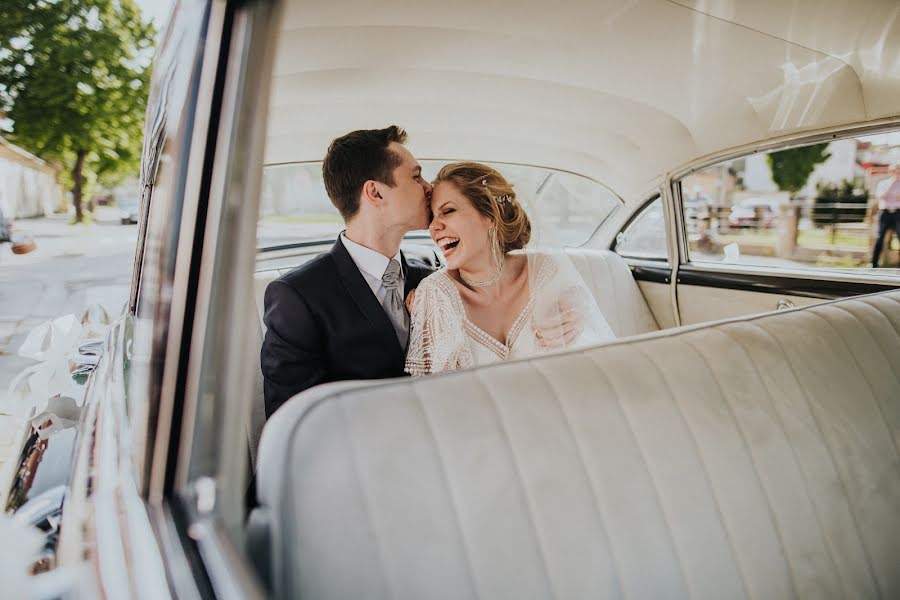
{"type": "Point", "coordinates": [410, 298]}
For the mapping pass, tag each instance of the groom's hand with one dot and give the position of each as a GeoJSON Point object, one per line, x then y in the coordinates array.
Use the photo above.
{"type": "Point", "coordinates": [564, 324]}
{"type": "Point", "coordinates": [410, 298]}
{"type": "Point", "coordinates": [560, 336]}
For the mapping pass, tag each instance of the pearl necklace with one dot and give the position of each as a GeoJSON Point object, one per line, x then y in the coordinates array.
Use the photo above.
{"type": "Point", "coordinates": [486, 282]}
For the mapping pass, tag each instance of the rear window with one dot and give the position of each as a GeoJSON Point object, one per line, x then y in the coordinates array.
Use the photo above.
{"type": "Point", "coordinates": [565, 208]}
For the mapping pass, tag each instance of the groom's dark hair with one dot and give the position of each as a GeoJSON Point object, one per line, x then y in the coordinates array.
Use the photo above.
{"type": "Point", "coordinates": [355, 158]}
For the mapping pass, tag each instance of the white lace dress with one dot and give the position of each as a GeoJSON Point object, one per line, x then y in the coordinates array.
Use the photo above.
{"type": "Point", "coordinates": [442, 338]}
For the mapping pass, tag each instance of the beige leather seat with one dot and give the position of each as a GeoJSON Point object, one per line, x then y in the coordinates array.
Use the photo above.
{"type": "Point", "coordinates": [605, 272]}
{"type": "Point", "coordinates": [752, 458]}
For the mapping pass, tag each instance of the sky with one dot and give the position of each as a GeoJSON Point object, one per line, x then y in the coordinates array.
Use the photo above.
{"type": "Point", "coordinates": [157, 10]}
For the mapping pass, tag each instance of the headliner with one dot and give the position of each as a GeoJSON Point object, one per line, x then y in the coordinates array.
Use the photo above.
{"type": "Point", "coordinates": [621, 91]}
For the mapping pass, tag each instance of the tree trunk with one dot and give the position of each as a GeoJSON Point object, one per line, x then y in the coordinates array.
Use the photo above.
{"type": "Point", "coordinates": [76, 188]}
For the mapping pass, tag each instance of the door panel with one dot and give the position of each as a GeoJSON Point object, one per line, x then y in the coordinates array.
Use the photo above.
{"type": "Point", "coordinates": [659, 299]}
{"type": "Point", "coordinates": [698, 304]}
{"type": "Point", "coordinates": [706, 295]}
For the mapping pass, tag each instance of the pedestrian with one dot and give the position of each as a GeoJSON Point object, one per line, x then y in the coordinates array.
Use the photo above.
{"type": "Point", "coordinates": [888, 195]}
{"type": "Point", "coordinates": [4, 228]}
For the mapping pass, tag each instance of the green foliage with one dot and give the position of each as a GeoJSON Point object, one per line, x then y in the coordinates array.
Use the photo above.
{"type": "Point", "coordinates": [792, 167]}
{"type": "Point", "coordinates": [839, 204]}
{"type": "Point", "coordinates": [74, 77]}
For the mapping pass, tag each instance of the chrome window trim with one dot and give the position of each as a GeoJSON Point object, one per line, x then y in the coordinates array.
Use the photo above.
{"type": "Point", "coordinates": [673, 183]}
{"type": "Point", "coordinates": [786, 141]}
{"type": "Point", "coordinates": [869, 277]}
{"type": "Point", "coordinates": [672, 208]}
{"type": "Point", "coordinates": [470, 159]}
{"type": "Point", "coordinates": [630, 222]}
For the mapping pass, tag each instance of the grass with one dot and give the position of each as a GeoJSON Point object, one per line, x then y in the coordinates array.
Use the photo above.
{"type": "Point", "coordinates": [815, 238]}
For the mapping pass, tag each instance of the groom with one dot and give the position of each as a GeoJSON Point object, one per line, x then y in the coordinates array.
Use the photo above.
{"type": "Point", "coordinates": [341, 315]}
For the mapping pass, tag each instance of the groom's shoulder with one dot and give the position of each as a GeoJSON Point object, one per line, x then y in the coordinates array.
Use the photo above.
{"type": "Point", "coordinates": [316, 271]}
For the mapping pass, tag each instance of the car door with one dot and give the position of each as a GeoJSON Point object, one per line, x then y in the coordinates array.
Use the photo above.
{"type": "Point", "coordinates": [644, 241]}
{"type": "Point", "coordinates": [786, 226]}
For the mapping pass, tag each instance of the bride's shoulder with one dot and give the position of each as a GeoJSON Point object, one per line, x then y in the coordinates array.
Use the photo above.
{"type": "Point", "coordinates": [543, 264]}
{"type": "Point", "coordinates": [438, 282]}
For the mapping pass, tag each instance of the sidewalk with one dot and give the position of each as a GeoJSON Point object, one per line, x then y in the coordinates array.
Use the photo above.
{"type": "Point", "coordinates": [72, 267]}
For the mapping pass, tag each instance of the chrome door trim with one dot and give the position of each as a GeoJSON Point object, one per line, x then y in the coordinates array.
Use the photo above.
{"type": "Point", "coordinates": [672, 203]}
{"type": "Point", "coordinates": [104, 519]}
{"type": "Point", "coordinates": [234, 187]}
{"type": "Point", "coordinates": [186, 249]}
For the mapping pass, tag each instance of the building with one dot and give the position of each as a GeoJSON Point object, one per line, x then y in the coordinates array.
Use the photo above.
{"type": "Point", "coordinates": [28, 185]}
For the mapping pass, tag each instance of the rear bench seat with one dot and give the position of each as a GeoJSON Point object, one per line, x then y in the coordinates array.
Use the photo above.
{"type": "Point", "coordinates": [749, 458]}
{"type": "Point", "coordinates": [605, 272]}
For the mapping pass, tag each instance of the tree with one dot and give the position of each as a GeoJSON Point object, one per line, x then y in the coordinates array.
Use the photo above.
{"type": "Point", "coordinates": [74, 77]}
{"type": "Point", "coordinates": [791, 168]}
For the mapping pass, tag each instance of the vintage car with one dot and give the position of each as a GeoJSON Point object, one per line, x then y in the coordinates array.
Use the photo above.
{"type": "Point", "coordinates": [720, 448]}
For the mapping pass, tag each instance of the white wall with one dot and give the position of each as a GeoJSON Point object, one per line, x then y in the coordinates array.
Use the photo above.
{"type": "Point", "coordinates": [26, 192]}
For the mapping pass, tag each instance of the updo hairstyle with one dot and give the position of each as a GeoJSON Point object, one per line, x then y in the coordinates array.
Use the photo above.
{"type": "Point", "coordinates": [493, 196]}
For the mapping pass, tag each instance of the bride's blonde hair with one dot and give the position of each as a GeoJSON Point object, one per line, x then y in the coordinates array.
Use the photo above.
{"type": "Point", "coordinates": [493, 196]}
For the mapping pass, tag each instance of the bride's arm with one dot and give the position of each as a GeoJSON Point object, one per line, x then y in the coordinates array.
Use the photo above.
{"type": "Point", "coordinates": [437, 340]}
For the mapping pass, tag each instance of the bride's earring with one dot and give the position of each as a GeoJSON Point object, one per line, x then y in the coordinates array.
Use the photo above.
{"type": "Point", "coordinates": [496, 251]}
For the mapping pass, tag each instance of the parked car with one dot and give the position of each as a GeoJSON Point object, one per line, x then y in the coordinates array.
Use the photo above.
{"type": "Point", "coordinates": [753, 212]}
{"type": "Point", "coordinates": [158, 501]}
{"type": "Point", "coordinates": [129, 206]}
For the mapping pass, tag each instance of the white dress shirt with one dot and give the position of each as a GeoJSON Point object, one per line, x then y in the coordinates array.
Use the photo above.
{"type": "Point", "coordinates": [372, 265]}
{"type": "Point", "coordinates": [888, 194]}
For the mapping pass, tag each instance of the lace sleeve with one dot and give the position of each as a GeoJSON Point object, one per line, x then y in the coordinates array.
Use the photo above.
{"type": "Point", "coordinates": [437, 339]}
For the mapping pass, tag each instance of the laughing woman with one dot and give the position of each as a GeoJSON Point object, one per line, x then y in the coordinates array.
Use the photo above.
{"type": "Point", "coordinates": [494, 301]}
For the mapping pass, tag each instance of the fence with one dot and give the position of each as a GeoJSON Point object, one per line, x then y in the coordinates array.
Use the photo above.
{"type": "Point", "coordinates": [806, 232]}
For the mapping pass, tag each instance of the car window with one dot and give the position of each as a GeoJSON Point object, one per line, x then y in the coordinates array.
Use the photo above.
{"type": "Point", "coordinates": [645, 236]}
{"type": "Point", "coordinates": [812, 206]}
{"type": "Point", "coordinates": [566, 209]}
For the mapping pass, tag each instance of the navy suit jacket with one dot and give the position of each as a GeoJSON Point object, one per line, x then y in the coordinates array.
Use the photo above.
{"type": "Point", "coordinates": [325, 324]}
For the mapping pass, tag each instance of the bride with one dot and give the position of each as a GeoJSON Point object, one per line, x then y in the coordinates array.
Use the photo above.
{"type": "Point", "coordinates": [493, 301]}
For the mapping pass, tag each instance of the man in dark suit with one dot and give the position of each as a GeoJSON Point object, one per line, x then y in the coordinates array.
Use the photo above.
{"type": "Point", "coordinates": [341, 315]}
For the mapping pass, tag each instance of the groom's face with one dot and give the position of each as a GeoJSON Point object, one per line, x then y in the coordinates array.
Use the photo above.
{"type": "Point", "coordinates": [408, 200]}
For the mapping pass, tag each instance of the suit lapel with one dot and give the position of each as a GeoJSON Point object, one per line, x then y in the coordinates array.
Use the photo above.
{"type": "Point", "coordinates": [362, 295]}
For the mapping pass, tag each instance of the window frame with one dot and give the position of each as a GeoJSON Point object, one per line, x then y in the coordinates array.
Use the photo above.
{"type": "Point", "coordinates": [632, 221]}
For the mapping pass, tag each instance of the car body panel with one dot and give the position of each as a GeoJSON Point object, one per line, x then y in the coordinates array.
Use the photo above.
{"type": "Point", "coordinates": [633, 96]}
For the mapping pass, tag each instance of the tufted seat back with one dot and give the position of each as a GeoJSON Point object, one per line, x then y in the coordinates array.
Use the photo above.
{"type": "Point", "coordinates": [749, 458]}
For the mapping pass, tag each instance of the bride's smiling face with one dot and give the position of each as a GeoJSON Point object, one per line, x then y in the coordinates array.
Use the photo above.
{"type": "Point", "coordinates": [459, 229]}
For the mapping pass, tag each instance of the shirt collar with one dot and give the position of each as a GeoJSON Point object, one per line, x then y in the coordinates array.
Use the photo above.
{"type": "Point", "coordinates": [372, 262]}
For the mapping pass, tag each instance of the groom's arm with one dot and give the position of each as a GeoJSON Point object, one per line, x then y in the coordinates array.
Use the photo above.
{"type": "Point", "coordinates": [293, 351]}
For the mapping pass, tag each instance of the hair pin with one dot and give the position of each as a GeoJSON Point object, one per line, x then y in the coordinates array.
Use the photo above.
{"type": "Point", "coordinates": [501, 199]}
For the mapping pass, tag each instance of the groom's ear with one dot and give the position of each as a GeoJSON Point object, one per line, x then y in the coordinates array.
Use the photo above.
{"type": "Point", "coordinates": [371, 193]}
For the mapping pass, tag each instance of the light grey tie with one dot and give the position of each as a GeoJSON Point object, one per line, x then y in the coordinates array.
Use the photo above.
{"type": "Point", "coordinates": [393, 302]}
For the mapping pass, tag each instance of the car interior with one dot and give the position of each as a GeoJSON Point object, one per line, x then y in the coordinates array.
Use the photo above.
{"type": "Point", "coordinates": [741, 435]}
{"type": "Point", "coordinates": [708, 451]}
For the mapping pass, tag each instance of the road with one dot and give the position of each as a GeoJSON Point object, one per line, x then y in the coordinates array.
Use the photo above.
{"type": "Point", "coordinates": [72, 267]}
